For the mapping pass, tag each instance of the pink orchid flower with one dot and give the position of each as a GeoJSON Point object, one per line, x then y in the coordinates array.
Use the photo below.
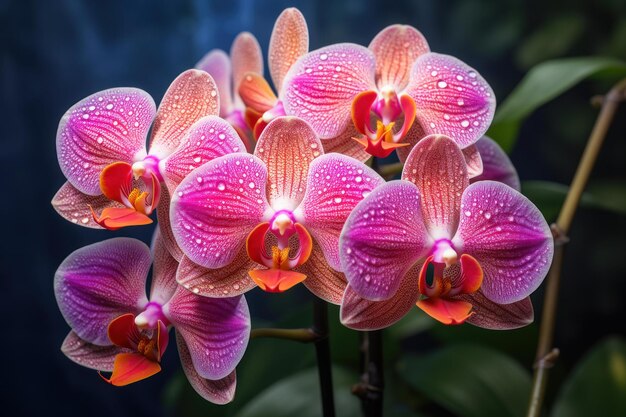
{"type": "Point", "coordinates": [494, 164]}
{"type": "Point", "coordinates": [288, 42]}
{"type": "Point", "coordinates": [270, 219]}
{"type": "Point", "coordinates": [395, 92]}
{"type": "Point", "coordinates": [101, 292]}
{"type": "Point", "coordinates": [102, 152]}
{"type": "Point", "coordinates": [461, 252]}
{"type": "Point", "coordinates": [228, 73]}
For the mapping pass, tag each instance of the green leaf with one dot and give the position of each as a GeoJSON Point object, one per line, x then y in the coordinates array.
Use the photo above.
{"type": "Point", "coordinates": [597, 387]}
{"type": "Point", "coordinates": [543, 83]}
{"type": "Point", "coordinates": [470, 381]}
{"type": "Point", "coordinates": [299, 395]}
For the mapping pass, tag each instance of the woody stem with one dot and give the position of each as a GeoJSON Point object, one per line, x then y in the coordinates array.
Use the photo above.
{"type": "Point", "coordinates": [546, 354]}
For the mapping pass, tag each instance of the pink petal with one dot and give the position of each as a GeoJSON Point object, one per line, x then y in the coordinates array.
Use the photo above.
{"type": "Point", "coordinates": [217, 64]}
{"type": "Point", "coordinates": [496, 164]}
{"type": "Point", "coordinates": [92, 356]}
{"type": "Point", "coordinates": [335, 185]}
{"type": "Point", "coordinates": [289, 41]}
{"type": "Point", "coordinates": [216, 330]}
{"type": "Point", "coordinates": [287, 145]}
{"type": "Point", "coordinates": [246, 56]}
{"type": "Point", "coordinates": [414, 135]}
{"type": "Point", "coordinates": [74, 206]}
{"type": "Point", "coordinates": [361, 314]}
{"type": "Point", "coordinates": [229, 281]}
{"type": "Point", "coordinates": [508, 236]}
{"type": "Point", "coordinates": [214, 209]}
{"type": "Point", "coordinates": [437, 166]}
{"type": "Point", "coordinates": [165, 227]}
{"type": "Point", "coordinates": [321, 279]}
{"type": "Point", "coordinates": [100, 282]}
{"type": "Point", "coordinates": [396, 48]}
{"type": "Point", "coordinates": [490, 315]}
{"type": "Point", "coordinates": [220, 391]}
{"type": "Point", "coordinates": [208, 138]}
{"type": "Point", "coordinates": [473, 160]}
{"type": "Point", "coordinates": [383, 237]}
{"type": "Point", "coordinates": [106, 127]}
{"type": "Point", "coordinates": [311, 88]}
{"type": "Point", "coordinates": [451, 98]}
{"type": "Point", "coordinates": [164, 271]}
{"type": "Point", "coordinates": [191, 96]}
{"type": "Point", "coordinates": [344, 144]}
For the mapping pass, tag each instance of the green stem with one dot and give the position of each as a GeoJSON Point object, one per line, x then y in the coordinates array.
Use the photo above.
{"type": "Point", "coordinates": [546, 354]}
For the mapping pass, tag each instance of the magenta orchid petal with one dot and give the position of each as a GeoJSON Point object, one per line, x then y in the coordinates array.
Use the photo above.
{"type": "Point", "coordinates": [229, 281]}
{"type": "Point", "coordinates": [451, 98]}
{"type": "Point", "coordinates": [335, 185]}
{"type": "Point", "coordinates": [414, 135]}
{"type": "Point", "coordinates": [100, 282]}
{"type": "Point", "coordinates": [76, 206]}
{"type": "Point", "coordinates": [208, 138]}
{"type": "Point", "coordinates": [246, 56]}
{"type": "Point", "coordinates": [106, 127]}
{"type": "Point", "coordinates": [213, 209]}
{"type": "Point", "coordinates": [165, 228]}
{"type": "Point", "coordinates": [490, 315]}
{"type": "Point", "coordinates": [311, 89]}
{"type": "Point", "coordinates": [396, 48]}
{"type": "Point", "coordinates": [473, 160]}
{"type": "Point", "coordinates": [191, 96]}
{"type": "Point", "coordinates": [344, 144]}
{"type": "Point", "coordinates": [508, 236]}
{"type": "Point", "coordinates": [289, 41]}
{"type": "Point", "coordinates": [437, 166]}
{"type": "Point", "coordinates": [163, 272]}
{"type": "Point", "coordinates": [361, 314]}
{"type": "Point", "coordinates": [496, 164]}
{"type": "Point", "coordinates": [220, 391]}
{"type": "Point", "coordinates": [216, 330]}
{"type": "Point", "coordinates": [383, 237]}
{"type": "Point", "coordinates": [287, 145]}
{"type": "Point", "coordinates": [322, 280]}
{"type": "Point", "coordinates": [217, 64]}
{"type": "Point", "coordinates": [91, 356]}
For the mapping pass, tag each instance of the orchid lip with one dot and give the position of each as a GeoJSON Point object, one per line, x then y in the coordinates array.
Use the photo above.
{"type": "Point", "coordinates": [387, 106]}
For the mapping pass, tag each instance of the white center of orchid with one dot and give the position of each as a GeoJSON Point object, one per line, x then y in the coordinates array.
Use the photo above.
{"type": "Point", "coordinates": [443, 252]}
{"type": "Point", "coordinates": [282, 223]}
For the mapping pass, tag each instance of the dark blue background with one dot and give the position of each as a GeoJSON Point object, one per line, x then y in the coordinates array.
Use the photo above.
{"type": "Point", "coordinates": [53, 53]}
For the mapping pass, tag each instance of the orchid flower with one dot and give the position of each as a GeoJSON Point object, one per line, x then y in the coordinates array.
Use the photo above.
{"type": "Point", "coordinates": [395, 92]}
{"type": "Point", "coordinates": [288, 42]}
{"type": "Point", "coordinates": [461, 252]}
{"type": "Point", "coordinates": [272, 219]}
{"type": "Point", "coordinates": [102, 153]}
{"type": "Point", "coordinates": [228, 72]}
{"type": "Point", "coordinates": [495, 165]}
{"type": "Point", "coordinates": [100, 290]}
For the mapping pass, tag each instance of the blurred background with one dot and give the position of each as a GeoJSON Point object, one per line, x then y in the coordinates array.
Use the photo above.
{"type": "Point", "coordinates": [55, 53]}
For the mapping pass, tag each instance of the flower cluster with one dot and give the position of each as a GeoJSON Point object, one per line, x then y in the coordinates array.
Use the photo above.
{"type": "Point", "coordinates": [253, 187]}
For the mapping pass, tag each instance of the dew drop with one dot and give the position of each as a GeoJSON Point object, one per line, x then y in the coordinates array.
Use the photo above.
{"type": "Point", "coordinates": [442, 84]}
{"type": "Point", "coordinates": [324, 57]}
{"type": "Point", "coordinates": [221, 186]}
{"type": "Point", "coordinates": [464, 123]}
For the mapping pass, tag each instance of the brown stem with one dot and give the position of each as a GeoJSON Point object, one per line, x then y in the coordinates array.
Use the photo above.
{"type": "Point", "coordinates": [298, 335]}
{"type": "Point", "coordinates": [546, 354]}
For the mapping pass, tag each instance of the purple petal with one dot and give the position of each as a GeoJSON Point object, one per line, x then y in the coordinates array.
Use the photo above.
{"type": "Point", "coordinates": [165, 227]}
{"type": "Point", "coordinates": [437, 166]}
{"type": "Point", "coordinates": [209, 138]}
{"type": "Point", "coordinates": [100, 282]}
{"type": "Point", "coordinates": [92, 356]}
{"type": "Point", "coordinates": [473, 160]}
{"type": "Point", "coordinates": [287, 145]}
{"type": "Point", "coordinates": [335, 185]}
{"type": "Point", "coordinates": [214, 209]}
{"type": "Point", "coordinates": [311, 88]}
{"type": "Point", "coordinates": [322, 280]}
{"type": "Point", "coordinates": [74, 206]}
{"type": "Point", "coordinates": [360, 314]}
{"type": "Point", "coordinates": [451, 98]}
{"type": "Point", "coordinates": [396, 48]}
{"type": "Point", "coordinates": [191, 96]}
{"type": "Point", "coordinates": [383, 237]}
{"type": "Point", "coordinates": [229, 281]}
{"type": "Point", "coordinates": [217, 64]}
{"type": "Point", "coordinates": [220, 391]}
{"type": "Point", "coordinates": [163, 272]}
{"type": "Point", "coordinates": [508, 236]}
{"type": "Point", "coordinates": [106, 127]}
{"type": "Point", "coordinates": [289, 41]}
{"type": "Point", "coordinates": [216, 330]}
{"type": "Point", "coordinates": [490, 315]}
{"type": "Point", "coordinates": [496, 164]}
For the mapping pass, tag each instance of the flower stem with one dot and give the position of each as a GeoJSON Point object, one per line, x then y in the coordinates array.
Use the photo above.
{"type": "Point", "coordinates": [322, 350]}
{"type": "Point", "coordinates": [546, 354]}
{"type": "Point", "coordinates": [370, 389]}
